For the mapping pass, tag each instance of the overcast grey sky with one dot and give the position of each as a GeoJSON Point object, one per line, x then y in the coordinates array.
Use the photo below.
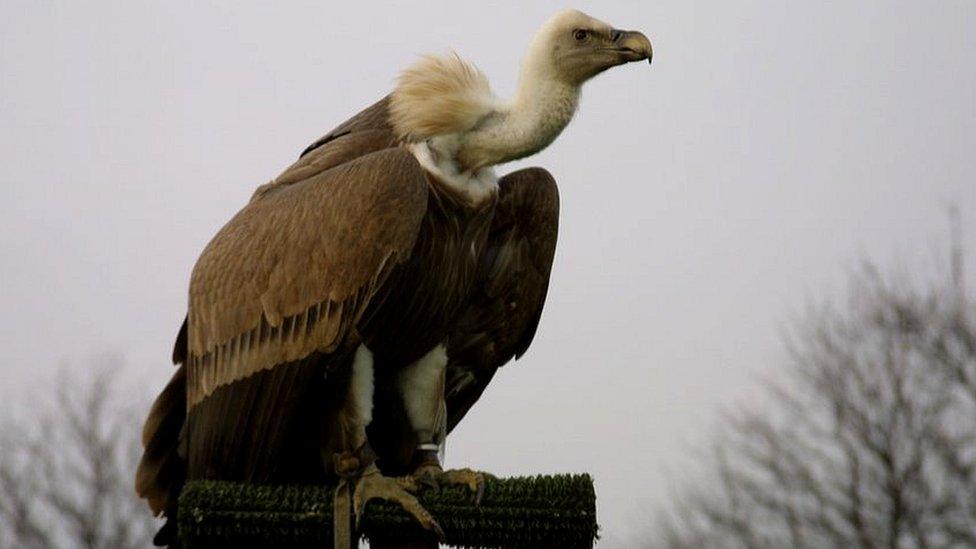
{"type": "Point", "coordinates": [704, 199]}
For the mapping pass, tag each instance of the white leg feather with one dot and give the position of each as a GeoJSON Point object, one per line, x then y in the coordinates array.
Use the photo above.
{"type": "Point", "coordinates": [358, 410]}
{"type": "Point", "coordinates": [422, 386]}
{"type": "Point", "coordinates": [361, 385]}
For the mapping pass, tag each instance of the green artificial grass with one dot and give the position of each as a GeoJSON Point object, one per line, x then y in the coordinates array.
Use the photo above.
{"type": "Point", "coordinates": [536, 512]}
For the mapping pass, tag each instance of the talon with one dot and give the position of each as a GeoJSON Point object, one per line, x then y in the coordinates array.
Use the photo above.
{"type": "Point", "coordinates": [373, 485]}
{"type": "Point", "coordinates": [409, 484]}
{"type": "Point", "coordinates": [428, 476]}
{"type": "Point", "coordinates": [474, 481]}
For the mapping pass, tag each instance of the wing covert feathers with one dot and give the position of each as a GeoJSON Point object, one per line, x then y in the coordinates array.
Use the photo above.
{"type": "Point", "coordinates": [439, 95]}
{"type": "Point", "coordinates": [341, 149]}
{"type": "Point", "coordinates": [374, 117]}
{"type": "Point", "coordinates": [291, 273]}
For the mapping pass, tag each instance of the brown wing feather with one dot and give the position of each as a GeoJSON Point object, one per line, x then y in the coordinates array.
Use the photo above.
{"type": "Point", "coordinates": [501, 319]}
{"type": "Point", "coordinates": [277, 425]}
{"type": "Point", "coordinates": [291, 272]}
{"type": "Point", "coordinates": [179, 348]}
{"type": "Point", "coordinates": [340, 150]}
{"type": "Point", "coordinates": [374, 117]}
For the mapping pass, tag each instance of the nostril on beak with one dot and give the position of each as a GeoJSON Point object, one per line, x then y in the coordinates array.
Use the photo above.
{"type": "Point", "coordinates": [615, 34]}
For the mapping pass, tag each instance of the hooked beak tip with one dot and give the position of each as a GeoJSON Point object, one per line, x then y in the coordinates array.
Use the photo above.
{"type": "Point", "coordinates": [635, 42]}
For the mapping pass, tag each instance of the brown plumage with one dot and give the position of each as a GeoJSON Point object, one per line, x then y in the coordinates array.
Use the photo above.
{"type": "Point", "coordinates": [294, 281]}
{"type": "Point", "coordinates": [504, 309]}
{"type": "Point", "coordinates": [368, 294]}
{"type": "Point", "coordinates": [291, 273]}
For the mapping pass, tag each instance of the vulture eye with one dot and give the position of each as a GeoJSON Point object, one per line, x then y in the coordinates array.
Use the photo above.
{"type": "Point", "coordinates": [580, 34]}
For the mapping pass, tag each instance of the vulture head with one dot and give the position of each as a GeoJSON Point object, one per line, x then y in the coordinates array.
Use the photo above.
{"type": "Point", "coordinates": [574, 47]}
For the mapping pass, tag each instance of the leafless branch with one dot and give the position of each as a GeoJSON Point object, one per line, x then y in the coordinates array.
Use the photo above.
{"type": "Point", "coordinates": [870, 441]}
{"type": "Point", "coordinates": [66, 473]}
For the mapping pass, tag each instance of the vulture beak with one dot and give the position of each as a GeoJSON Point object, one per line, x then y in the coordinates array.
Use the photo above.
{"type": "Point", "coordinates": [633, 45]}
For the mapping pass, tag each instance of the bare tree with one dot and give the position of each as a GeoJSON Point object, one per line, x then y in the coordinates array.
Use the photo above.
{"type": "Point", "coordinates": [869, 442]}
{"type": "Point", "coordinates": [66, 472]}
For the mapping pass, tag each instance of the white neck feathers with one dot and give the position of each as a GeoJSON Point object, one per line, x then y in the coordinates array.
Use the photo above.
{"type": "Point", "coordinates": [443, 107]}
{"type": "Point", "coordinates": [537, 115]}
{"type": "Point", "coordinates": [475, 186]}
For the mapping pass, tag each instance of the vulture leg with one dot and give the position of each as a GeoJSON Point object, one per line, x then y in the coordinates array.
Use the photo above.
{"type": "Point", "coordinates": [421, 386]}
{"type": "Point", "coordinates": [358, 459]}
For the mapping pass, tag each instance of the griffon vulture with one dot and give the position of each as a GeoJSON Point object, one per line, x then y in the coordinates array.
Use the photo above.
{"type": "Point", "coordinates": [354, 310]}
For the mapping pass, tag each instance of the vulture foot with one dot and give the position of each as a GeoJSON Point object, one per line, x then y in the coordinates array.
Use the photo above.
{"type": "Point", "coordinates": [434, 477]}
{"type": "Point", "coordinates": [373, 485]}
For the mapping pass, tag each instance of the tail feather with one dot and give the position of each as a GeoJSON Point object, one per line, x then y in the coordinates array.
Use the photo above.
{"type": "Point", "coordinates": [162, 469]}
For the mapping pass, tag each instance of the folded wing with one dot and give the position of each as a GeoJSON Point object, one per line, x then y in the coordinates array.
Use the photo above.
{"type": "Point", "coordinates": [286, 278]}
{"type": "Point", "coordinates": [501, 318]}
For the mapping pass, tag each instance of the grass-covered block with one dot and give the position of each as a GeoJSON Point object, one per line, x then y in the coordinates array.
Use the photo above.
{"type": "Point", "coordinates": [528, 512]}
